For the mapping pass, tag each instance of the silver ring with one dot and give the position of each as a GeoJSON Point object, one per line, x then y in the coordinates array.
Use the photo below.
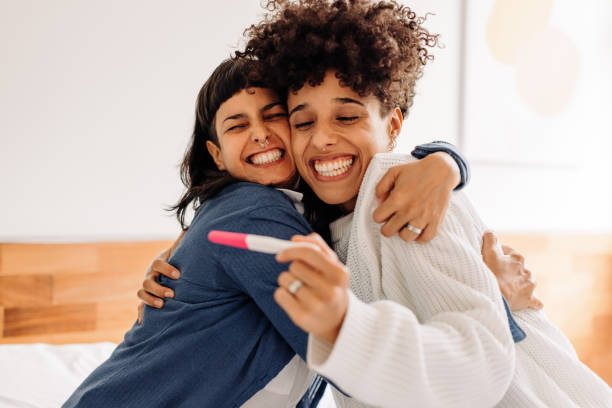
{"type": "Point", "coordinates": [416, 230]}
{"type": "Point", "coordinates": [295, 286]}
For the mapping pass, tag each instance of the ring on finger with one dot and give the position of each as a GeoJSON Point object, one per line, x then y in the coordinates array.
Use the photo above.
{"type": "Point", "coordinates": [412, 228]}
{"type": "Point", "coordinates": [295, 286]}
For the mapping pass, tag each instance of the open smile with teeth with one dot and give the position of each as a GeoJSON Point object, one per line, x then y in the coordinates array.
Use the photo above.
{"type": "Point", "coordinates": [266, 158]}
{"type": "Point", "coordinates": [334, 167]}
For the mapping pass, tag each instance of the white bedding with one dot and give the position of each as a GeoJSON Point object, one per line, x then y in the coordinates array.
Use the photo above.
{"type": "Point", "coordinates": [44, 376]}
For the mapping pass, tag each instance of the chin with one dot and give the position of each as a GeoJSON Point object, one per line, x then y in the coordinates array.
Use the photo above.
{"type": "Point", "coordinates": [331, 196]}
{"type": "Point", "coordinates": [280, 181]}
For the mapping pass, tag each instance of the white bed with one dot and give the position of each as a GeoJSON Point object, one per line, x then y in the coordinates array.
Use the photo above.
{"type": "Point", "coordinates": [44, 376]}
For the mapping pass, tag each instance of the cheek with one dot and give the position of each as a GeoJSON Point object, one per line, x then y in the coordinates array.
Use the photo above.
{"type": "Point", "coordinates": [297, 147]}
{"type": "Point", "coordinates": [231, 154]}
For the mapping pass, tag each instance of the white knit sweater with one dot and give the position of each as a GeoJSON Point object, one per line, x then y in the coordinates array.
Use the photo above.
{"type": "Point", "coordinates": [426, 326]}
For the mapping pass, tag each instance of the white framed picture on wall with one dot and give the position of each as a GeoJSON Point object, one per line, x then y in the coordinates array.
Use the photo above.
{"type": "Point", "coordinates": [534, 80]}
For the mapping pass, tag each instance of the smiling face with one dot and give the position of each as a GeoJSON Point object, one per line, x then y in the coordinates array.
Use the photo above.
{"type": "Point", "coordinates": [335, 134]}
{"type": "Point", "coordinates": [254, 138]}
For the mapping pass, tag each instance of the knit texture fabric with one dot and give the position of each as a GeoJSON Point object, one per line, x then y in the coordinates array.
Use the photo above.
{"type": "Point", "coordinates": [426, 325]}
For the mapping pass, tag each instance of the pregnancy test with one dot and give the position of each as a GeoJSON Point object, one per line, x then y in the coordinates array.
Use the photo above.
{"type": "Point", "coordinates": [252, 242]}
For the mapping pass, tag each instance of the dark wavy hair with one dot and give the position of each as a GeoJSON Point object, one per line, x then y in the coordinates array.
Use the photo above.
{"type": "Point", "coordinates": [199, 172]}
{"type": "Point", "coordinates": [376, 47]}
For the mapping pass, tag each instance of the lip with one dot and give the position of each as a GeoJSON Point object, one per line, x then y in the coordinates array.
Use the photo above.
{"type": "Point", "coordinates": [274, 163]}
{"type": "Point", "coordinates": [339, 177]}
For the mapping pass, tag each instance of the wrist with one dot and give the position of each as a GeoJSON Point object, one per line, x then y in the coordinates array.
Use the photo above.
{"type": "Point", "coordinates": [449, 167]}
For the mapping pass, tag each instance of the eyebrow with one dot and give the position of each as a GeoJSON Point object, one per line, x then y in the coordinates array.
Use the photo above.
{"type": "Point", "coordinates": [348, 100]}
{"type": "Point", "coordinates": [270, 106]}
{"type": "Point", "coordinates": [242, 115]}
{"type": "Point", "coordinates": [297, 109]}
{"type": "Point", "coordinates": [236, 116]}
{"type": "Point", "coordinates": [337, 100]}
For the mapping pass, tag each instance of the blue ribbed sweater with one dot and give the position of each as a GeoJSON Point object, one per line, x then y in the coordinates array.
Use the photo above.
{"type": "Point", "coordinates": [222, 338]}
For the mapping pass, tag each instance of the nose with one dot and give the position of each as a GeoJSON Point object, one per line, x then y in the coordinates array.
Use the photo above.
{"type": "Point", "coordinates": [323, 138]}
{"type": "Point", "coordinates": [260, 133]}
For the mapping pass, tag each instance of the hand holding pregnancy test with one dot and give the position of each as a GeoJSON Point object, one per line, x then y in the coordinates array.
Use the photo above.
{"type": "Point", "coordinates": [314, 291]}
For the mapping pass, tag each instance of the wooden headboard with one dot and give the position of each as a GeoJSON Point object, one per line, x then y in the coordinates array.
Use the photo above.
{"type": "Point", "coordinates": [71, 293]}
{"type": "Point", "coordinates": [81, 293]}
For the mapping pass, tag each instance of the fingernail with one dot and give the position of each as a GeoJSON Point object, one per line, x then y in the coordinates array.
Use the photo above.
{"type": "Point", "coordinates": [168, 294]}
{"type": "Point", "coordinates": [158, 303]}
{"type": "Point", "coordinates": [176, 274]}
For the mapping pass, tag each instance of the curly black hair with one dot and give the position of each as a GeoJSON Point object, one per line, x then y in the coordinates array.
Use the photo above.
{"type": "Point", "coordinates": [375, 47]}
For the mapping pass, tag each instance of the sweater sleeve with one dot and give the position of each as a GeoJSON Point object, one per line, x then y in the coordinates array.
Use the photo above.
{"type": "Point", "coordinates": [426, 149]}
{"type": "Point", "coordinates": [446, 345]}
{"type": "Point", "coordinates": [257, 273]}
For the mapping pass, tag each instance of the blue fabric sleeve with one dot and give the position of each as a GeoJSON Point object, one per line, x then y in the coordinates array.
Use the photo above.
{"type": "Point", "coordinates": [518, 334]}
{"type": "Point", "coordinates": [426, 149]}
{"type": "Point", "coordinates": [257, 273]}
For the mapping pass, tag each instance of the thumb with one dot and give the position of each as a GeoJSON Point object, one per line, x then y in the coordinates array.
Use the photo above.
{"type": "Point", "coordinates": [490, 244]}
{"type": "Point", "coordinates": [385, 185]}
{"type": "Point", "coordinates": [314, 239]}
{"type": "Point", "coordinates": [140, 312]}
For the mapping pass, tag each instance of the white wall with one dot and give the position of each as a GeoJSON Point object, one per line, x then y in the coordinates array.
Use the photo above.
{"type": "Point", "coordinates": [97, 107]}
{"type": "Point", "coordinates": [96, 110]}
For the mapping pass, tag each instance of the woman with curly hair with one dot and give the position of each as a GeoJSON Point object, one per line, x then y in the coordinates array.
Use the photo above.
{"type": "Point", "coordinates": [422, 324]}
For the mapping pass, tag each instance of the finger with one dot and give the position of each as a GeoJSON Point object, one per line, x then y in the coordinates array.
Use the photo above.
{"type": "Point", "coordinates": [386, 183]}
{"type": "Point", "coordinates": [176, 243]}
{"type": "Point", "coordinates": [316, 259]}
{"type": "Point", "coordinates": [315, 239]}
{"type": "Point", "coordinates": [490, 244]}
{"type": "Point", "coordinates": [394, 224]}
{"type": "Point", "coordinates": [535, 303]}
{"type": "Point", "coordinates": [518, 257]}
{"type": "Point", "coordinates": [385, 210]}
{"type": "Point", "coordinates": [408, 235]}
{"type": "Point", "coordinates": [150, 300]}
{"type": "Point", "coordinates": [165, 254]}
{"type": "Point", "coordinates": [429, 232]}
{"type": "Point", "coordinates": [513, 253]}
{"type": "Point", "coordinates": [491, 251]}
{"type": "Point", "coordinates": [165, 269]}
{"type": "Point", "coordinates": [156, 289]}
{"type": "Point", "coordinates": [140, 312]}
{"type": "Point", "coordinates": [312, 278]}
{"type": "Point", "coordinates": [304, 294]}
{"type": "Point", "coordinates": [290, 305]}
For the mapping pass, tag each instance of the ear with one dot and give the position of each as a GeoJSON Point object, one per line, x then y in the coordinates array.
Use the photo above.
{"type": "Point", "coordinates": [394, 126]}
{"type": "Point", "coordinates": [215, 153]}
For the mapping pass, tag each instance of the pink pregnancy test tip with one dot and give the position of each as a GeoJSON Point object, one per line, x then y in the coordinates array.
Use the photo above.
{"type": "Point", "coordinates": [233, 239]}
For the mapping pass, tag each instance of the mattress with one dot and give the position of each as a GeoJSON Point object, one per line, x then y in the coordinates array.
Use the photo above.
{"type": "Point", "coordinates": [44, 375]}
